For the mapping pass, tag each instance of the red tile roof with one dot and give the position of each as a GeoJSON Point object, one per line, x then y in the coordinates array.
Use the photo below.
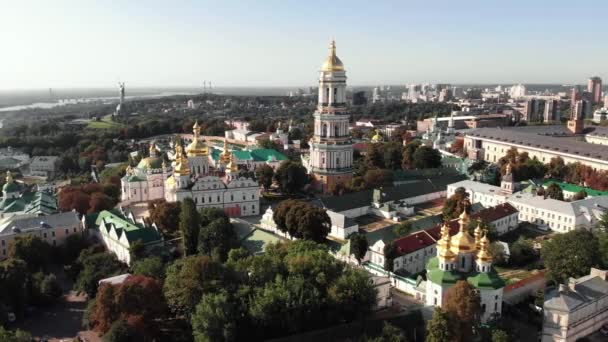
{"type": "Point", "coordinates": [494, 213]}
{"type": "Point", "coordinates": [413, 242]}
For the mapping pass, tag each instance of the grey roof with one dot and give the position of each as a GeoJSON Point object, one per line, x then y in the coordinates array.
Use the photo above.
{"type": "Point", "coordinates": [554, 139]}
{"type": "Point", "coordinates": [587, 289]}
{"type": "Point", "coordinates": [67, 219]}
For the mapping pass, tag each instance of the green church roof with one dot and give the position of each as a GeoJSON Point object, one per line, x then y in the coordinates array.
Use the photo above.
{"type": "Point", "coordinates": [574, 188]}
{"type": "Point", "coordinates": [489, 280]}
{"type": "Point", "coordinates": [133, 230]}
{"type": "Point", "coordinates": [479, 280]}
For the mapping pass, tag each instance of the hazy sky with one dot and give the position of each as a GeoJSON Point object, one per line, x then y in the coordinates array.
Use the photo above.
{"type": "Point", "coordinates": [283, 43]}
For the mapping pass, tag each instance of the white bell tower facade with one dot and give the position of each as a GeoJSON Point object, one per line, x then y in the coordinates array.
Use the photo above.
{"type": "Point", "coordinates": [331, 149]}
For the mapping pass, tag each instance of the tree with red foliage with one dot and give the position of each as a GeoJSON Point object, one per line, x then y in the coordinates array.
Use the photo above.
{"type": "Point", "coordinates": [73, 198]}
{"type": "Point", "coordinates": [138, 301]}
{"type": "Point", "coordinates": [165, 215]}
{"type": "Point", "coordinates": [100, 201]}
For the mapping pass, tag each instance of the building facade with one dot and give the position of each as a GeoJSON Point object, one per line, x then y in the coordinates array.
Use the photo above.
{"type": "Point", "coordinates": [577, 309]}
{"type": "Point", "coordinates": [331, 149]}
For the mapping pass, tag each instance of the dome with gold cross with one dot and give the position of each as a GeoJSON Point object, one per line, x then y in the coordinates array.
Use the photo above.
{"type": "Point", "coordinates": [377, 137]}
{"type": "Point", "coordinates": [182, 167]}
{"type": "Point", "coordinates": [463, 242]}
{"type": "Point", "coordinates": [232, 166]}
{"type": "Point", "coordinates": [226, 156]}
{"type": "Point", "coordinates": [332, 63]}
{"type": "Point", "coordinates": [197, 147]}
{"type": "Point", "coordinates": [443, 245]}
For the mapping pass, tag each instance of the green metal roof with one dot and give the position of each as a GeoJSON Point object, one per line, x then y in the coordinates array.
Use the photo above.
{"type": "Point", "coordinates": [133, 178]}
{"type": "Point", "coordinates": [259, 155]}
{"type": "Point", "coordinates": [574, 188]}
{"type": "Point", "coordinates": [134, 231]}
{"type": "Point", "coordinates": [31, 203]}
{"type": "Point", "coordinates": [437, 276]}
{"type": "Point", "coordinates": [490, 280]}
{"type": "Point", "coordinates": [11, 187]}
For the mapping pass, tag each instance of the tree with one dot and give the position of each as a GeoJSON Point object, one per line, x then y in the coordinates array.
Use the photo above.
{"type": "Point", "coordinates": [189, 226]}
{"type": "Point", "coordinates": [31, 249]}
{"type": "Point", "coordinates": [165, 215]}
{"type": "Point", "coordinates": [95, 267]}
{"type": "Point", "coordinates": [521, 252]}
{"type": "Point", "coordinates": [571, 254]}
{"type": "Point", "coordinates": [455, 204]}
{"type": "Point", "coordinates": [188, 279]}
{"type": "Point", "coordinates": [50, 288]}
{"type": "Point", "coordinates": [150, 267]}
{"type": "Point", "coordinates": [554, 191]}
{"type": "Point", "coordinates": [556, 168]}
{"type": "Point", "coordinates": [403, 228]}
{"type": "Point", "coordinates": [217, 238]}
{"type": "Point", "coordinates": [438, 327]}
{"type": "Point", "coordinates": [14, 336]}
{"type": "Point", "coordinates": [13, 294]}
{"type": "Point", "coordinates": [137, 250]}
{"type": "Point", "coordinates": [302, 220]}
{"type": "Point", "coordinates": [376, 178]}
{"type": "Point", "coordinates": [408, 154]}
{"type": "Point", "coordinates": [579, 195]}
{"type": "Point", "coordinates": [393, 155]}
{"type": "Point", "coordinates": [499, 336]}
{"type": "Point", "coordinates": [464, 308]}
{"type": "Point", "coordinates": [264, 175]}
{"type": "Point", "coordinates": [358, 245]}
{"type": "Point", "coordinates": [352, 294]}
{"type": "Point", "coordinates": [374, 157]}
{"type": "Point", "coordinates": [426, 157]}
{"type": "Point", "coordinates": [390, 333]}
{"type": "Point", "coordinates": [498, 254]}
{"type": "Point", "coordinates": [72, 246]}
{"type": "Point", "coordinates": [215, 318]}
{"type": "Point", "coordinates": [290, 176]}
{"type": "Point", "coordinates": [390, 253]}
{"type": "Point", "coordinates": [99, 202]}
{"type": "Point", "coordinates": [267, 144]}
{"type": "Point", "coordinates": [120, 331]}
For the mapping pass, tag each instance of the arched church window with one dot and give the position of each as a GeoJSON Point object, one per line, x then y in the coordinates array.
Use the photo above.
{"type": "Point", "coordinates": [324, 130]}
{"type": "Point", "coordinates": [338, 162]}
{"type": "Point", "coordinates": [335, 94]}
{"type": "Point", "coordinates": [336, 131]}
{"type": "Point", "coordinates": [327, 94]}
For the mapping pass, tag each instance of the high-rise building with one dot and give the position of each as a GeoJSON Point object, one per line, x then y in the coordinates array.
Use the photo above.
{"type": "Point", "coordinates": [533, 109]}
{"type": "Point", "coordinates": [606, 101]}
{"type": "Point", "coordinates": [552, 111]}
{"type": "Point", "coordinates": [594, 86]}
{"type": "Point", "coordinates": [331, 149]}
{"type": "Point", "coordinates": [575, 95]}
{"type": "Point", "coordinates": [579, 111]}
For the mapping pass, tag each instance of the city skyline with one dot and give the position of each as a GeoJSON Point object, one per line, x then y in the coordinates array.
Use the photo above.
{"type": "Point", "coordinates": [281, 44]}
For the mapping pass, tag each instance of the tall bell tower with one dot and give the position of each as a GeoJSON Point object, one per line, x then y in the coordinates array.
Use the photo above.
{"type": "Point", "coordinates": [331, 149]}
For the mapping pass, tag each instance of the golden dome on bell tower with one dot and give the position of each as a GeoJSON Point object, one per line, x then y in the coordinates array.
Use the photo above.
{"type": "Point", "coordinates": [484, 253]}
{"type": "Point", "coordinates": [226, 155]}
{"type": "Point", "coordinates": [443, 245]}
{"type": "Point", "coordinates": [478, 234]}
{"type": "Point", "coordinates": [332, 63]}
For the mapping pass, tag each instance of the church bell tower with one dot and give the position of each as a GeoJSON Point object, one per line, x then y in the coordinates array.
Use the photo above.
{"type": "Point", "coordinates": [331, 149]}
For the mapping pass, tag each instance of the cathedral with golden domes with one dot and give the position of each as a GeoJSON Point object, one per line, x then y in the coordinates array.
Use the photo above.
{"type": "Point", "coordinates": [331, 150]}
{"type": "Point", "coordinates": [463, 256]}
{"type": "Point", "coordinates": [190, 176]}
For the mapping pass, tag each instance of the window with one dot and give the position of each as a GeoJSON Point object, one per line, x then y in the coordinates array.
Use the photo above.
{"type": "Point", "coordinates": [3, 243]}
{"type": "Point", "coordinates": [74, 229]}
{"type": "Point", "coordinates": [336, 131]}
{"type": "Point", "coordinates": [67, 231]}
{"type": "Point", "coordinates": [42, 234]}
{"type": "Point", "coordinates": [53, 234]}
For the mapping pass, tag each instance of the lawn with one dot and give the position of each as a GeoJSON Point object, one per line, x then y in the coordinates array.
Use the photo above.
{"type": "Point", "coordinates": [105, 123]}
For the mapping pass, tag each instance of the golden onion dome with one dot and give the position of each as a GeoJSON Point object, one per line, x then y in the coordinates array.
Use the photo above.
{"type": "Point", "coordinates": [150, 163]}
{"type": "Point", "coordinates": [232, 165]}
{"type": "Point", "coordinates": [377, 137]}
{"type": "Point", "coordinates": [477, 234]}
{"type": "Point", "coordinates": [462, 242]}
{"type": "Point", "coordinates": [226, 155]}
{"type": "Point", "coordinates": [484, 253]}
{"type": "Point", "coordinates": [197, 147]}
{"type": "Point", "coordinates": [332, 63]}
{"type": "Point", "coordinates": [170, 182]}
{"type": "Point", "coordinates": [443, 245]}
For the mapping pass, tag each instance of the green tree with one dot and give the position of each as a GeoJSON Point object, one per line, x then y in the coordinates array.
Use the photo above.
{"type": "Point", "coordinates": [150, 267]}
{"type": "Point", "coordinates": [358, 245]}
{"type": "Point", "coordinates": [556, 168]}
{"type": "Point", "coordinates": [264, 175]}
{"type": "Point", "coordinates": [120, 331]}
{"type": "Point", "coordinates": [463, 306]}
{"type": "Point", "coordinates": [215, 318]}
{"type": "Point", "coordinates": [498, 254]}
{"type": "Point", "coordinates": [267, 144]}
{"type": "Point", "coordinates": [291, 176]}
{"type": "Point", "coordinates": [390, 253]}
{"type": "Point", "coordinates": [408, 154]}
{"type": "Point", "coordinates": [374, 157]}
{"type": "Point", "coordinates": [427, 157]}
{"type": "Point", "coordinates": [14, 336]}
{"type": "Point", "coordinates": [554, 191]}
{"type": "Point", "coordinates": [137, 250]}
{"type": "Point", "coordinates": [393, 155]}
{"type": "Point", "coordinates": [390, 333]}
{"type": "Point", "coordinates": [50, 288]}
{"type": "Point", "coordinates": [499, 336]}
{"type": "Point", "coordinates": [188, 279]}
{"type": "Point", "coordinates": [455, 204]}
{"type": "Point", "coordinates": [31, 249]}
{"type": "Point", "coordinates": [189, 226]}
{"type": "Point", "coordinates": [438, 327]}
{"type": "Point", "coordinates": [13, 275]}
{"type": "Point", "coordinates": [217, 238]}
{"type": "Point", "coordinates": [571, 254]}
{"type": "Point", "coordinates": [94, 268]}
{"type": "Point", "coordinates": [521, 252]}
{"type": "Point", "coordinates": [376, 178]}
{"type": "Point", "coordinates": [403, 228]}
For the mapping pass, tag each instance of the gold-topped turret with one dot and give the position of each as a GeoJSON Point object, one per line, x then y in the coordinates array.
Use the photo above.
{"type": "Point", "coordinates": [484, 252]}
{"type": "Point", "coordinates": [332, 63]}
{"type": "Point", "coordinates": [377, 137]}
{"type": "Point", "coordinates": [182, 167]}
{"type": "Point", "coordinates": [232, 165]}
{"type": "Point", "coordinates": [463, 242]}
{"type": "Point", "coordinates": [9, 177]}
{"type": "Point", "coordinates": [443, 245]}
{"type": "Point", "coordinates": [197, 147]}
{"type": "Point", "coordinates": [152, 149]}
{"type": "Point", "coordinates": [478, 233]}
{"type": "Point", "coordinates": [226, 155]}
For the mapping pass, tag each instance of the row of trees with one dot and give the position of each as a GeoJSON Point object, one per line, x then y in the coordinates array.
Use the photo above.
{"type": "Point", "coordinates": [302, 220]}
{"type": "Point", "coordinates": [291, 288]}
{"type": "Point", "coordinates": [290, 176]}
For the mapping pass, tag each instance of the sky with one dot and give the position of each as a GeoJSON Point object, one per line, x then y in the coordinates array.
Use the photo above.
{"type": "Point", "coordinates": [72, 44]}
